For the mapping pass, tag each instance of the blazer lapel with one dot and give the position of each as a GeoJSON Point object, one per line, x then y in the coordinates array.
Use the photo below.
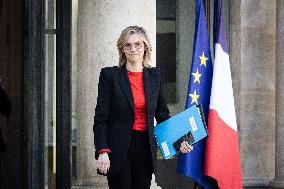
{"type": "Point", "coordinates": [125, 85]}
{"type": "Point", "coordinates": [148, 88]}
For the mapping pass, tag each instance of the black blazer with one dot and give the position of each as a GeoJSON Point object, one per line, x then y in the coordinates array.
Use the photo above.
{"type": "Point", "coordinates": [114, 115]}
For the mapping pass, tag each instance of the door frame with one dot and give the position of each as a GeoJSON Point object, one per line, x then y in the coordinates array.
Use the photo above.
{"type": "Point", "coordinates": [63, 94]}
{"type": "Point", "coordinates": [33, 98]}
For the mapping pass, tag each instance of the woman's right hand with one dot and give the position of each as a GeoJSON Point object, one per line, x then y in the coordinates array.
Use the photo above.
{"type": "Point", "coordinates": [103, 163]}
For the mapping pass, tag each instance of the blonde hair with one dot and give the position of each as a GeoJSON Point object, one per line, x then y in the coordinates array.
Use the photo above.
{"type": "Point", "coordinates": [145, 38]}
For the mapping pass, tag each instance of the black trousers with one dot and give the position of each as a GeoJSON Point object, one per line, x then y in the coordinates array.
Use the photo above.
{"type": "Point", "coordinates": [138, 168]}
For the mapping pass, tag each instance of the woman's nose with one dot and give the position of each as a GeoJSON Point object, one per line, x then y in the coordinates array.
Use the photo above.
{"type": "Point", "coordinates": [133, 48]}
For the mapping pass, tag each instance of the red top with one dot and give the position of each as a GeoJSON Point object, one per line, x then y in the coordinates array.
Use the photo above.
{"type": "Point", "coordinates": [105, 150]}
{"type": "Point", "coordinates": [137, 87]}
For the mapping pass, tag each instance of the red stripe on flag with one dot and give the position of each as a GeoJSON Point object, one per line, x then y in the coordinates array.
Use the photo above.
{"type": "Point", "coordinates": [222, 157]}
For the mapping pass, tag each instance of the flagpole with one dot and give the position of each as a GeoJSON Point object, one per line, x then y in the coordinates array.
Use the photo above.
{"type": "Point", "coordinates": [207, 14]}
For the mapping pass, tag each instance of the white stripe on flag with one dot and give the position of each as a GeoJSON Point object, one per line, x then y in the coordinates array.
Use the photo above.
{"type": "Point", "coordinates": [222, 99]}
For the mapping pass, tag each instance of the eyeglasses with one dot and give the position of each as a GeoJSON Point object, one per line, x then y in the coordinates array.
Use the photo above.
{"type": "Point", "coordinates": [137, 45]}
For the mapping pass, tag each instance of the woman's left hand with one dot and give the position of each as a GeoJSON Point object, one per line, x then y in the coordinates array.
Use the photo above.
{"type": "Point", "coordinates": [185, 147]}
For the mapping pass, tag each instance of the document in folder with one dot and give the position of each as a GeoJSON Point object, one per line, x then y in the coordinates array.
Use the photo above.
{"type": "Point", "coordinates": [177, 126]}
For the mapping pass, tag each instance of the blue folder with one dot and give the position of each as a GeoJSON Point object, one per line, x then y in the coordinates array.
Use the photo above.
{"type": "Point", "coordinates": [177, 126]}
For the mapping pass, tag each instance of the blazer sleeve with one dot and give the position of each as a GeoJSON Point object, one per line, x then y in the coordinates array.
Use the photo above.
{"type": "Point", "coordinates": [102, 112]}
{"type": "Point", "coordinates": [162, 111]}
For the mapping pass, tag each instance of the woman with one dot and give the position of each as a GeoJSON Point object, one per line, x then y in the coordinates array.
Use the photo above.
{"type": "Point", "coordinates": [129, 97]}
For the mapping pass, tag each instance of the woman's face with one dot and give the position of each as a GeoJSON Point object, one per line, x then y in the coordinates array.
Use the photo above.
{"type": "Point", "coordinates": [134, 48]}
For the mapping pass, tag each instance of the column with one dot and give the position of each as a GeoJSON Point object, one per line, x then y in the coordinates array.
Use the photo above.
{"type": "Point", "coordinates": [257, 115]}
{"type": "Point", "coordinates": [278, 182]}
{"type": "Point", "coordinates": [99, 26]}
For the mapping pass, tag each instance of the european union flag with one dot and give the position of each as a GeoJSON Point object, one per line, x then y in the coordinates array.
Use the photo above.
{"type": "Point", "coordinates": [199, 89]}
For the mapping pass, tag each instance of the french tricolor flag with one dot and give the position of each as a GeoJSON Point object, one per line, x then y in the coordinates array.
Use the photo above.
{"type": "Point", "coordinates": [222, 155]}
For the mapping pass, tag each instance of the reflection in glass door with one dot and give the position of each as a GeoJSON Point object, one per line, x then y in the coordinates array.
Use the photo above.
{"type": "Point", "coordinates": [50, 96]}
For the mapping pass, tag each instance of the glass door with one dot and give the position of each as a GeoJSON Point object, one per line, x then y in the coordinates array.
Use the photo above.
{"type": "Point", "coordinates": [50, 96]}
